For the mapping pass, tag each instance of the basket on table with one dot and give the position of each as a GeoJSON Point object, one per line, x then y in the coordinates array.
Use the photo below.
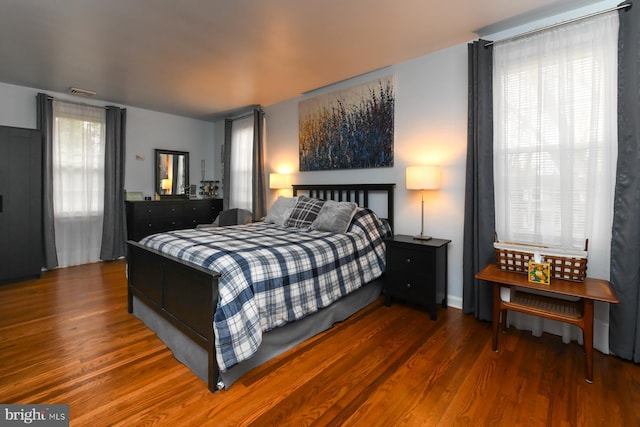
{"type": "Point", "coordinates": [566, 264]}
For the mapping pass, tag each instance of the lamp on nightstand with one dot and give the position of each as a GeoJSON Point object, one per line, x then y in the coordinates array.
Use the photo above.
{"type": "Point", "coordinates": [423, 178]}
{"type": "Point", "coordinates": [279, 181]}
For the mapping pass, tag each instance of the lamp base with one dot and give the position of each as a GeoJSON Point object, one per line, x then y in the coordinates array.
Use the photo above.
{"type": "Point", "coordinates": [422, 237]}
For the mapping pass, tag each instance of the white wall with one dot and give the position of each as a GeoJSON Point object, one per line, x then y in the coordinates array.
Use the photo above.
{"type": "Point", "coordinates": [146, 130]}
{"type": "Point", "coordinates": [430, 128]}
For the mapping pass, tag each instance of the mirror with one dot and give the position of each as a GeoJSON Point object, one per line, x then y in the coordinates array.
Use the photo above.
{"type": "Point", "coordinates": [172, 173]}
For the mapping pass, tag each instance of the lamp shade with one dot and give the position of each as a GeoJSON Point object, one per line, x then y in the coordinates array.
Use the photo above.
{"type": "Point", "coordinates": [165, 184]}
{"type": "Point", "coordinates": [423, 177]}
{"type": "Point", "coordinates": [278, 181]}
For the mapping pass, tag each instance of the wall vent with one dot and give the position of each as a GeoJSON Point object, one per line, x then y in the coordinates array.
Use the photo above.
{"type": "Point", "coordinates": [81, 92]}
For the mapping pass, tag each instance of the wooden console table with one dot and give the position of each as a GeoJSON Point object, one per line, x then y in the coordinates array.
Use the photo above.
{"type": "Point", "coordinates": [579, 313]}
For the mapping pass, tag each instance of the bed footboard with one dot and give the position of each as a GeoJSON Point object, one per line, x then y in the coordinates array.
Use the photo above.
{"type": "Point", "coordinates": [183, 294]}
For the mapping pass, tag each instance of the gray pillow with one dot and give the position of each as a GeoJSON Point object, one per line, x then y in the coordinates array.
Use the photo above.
{"type": "Point", "coordinates": [281, 210]}
{"type": "Point", "coordinates": [334, 216]}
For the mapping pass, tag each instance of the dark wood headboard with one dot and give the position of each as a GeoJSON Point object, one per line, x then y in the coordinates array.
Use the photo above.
{"type": "Point", "coordinates": [356, 193]}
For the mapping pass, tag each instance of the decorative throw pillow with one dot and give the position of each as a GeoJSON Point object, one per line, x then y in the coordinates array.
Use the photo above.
{"type": "Point", "coordinates": [281, 209]}
{"type": "Point", "coordinates": [334, 216]}
{"type": "Point", "coordinates": [305, 212]}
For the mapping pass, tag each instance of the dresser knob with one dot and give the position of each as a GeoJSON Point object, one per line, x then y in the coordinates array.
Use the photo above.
{"type": "Point", "coordinates": [408, 285]}
{"type": "Point", "coordinates": [408, 260]}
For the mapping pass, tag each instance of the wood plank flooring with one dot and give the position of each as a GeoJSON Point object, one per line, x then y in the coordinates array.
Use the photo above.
{"type": "Point", "coordinates": [67, 338]}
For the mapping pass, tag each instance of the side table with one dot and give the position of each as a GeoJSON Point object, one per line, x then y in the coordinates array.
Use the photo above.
{"type": "Point", "coordinates": [417, 272]}
{"type": "Point", "coordinates": [579, 313]}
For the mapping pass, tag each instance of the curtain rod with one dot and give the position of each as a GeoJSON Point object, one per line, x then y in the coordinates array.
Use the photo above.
{"type": "Point", "coordinates": [548, 27]}
{"type": "Point", "coordinates": [248, 114]}
{"type": "Point", "coordinates": [84, 104]}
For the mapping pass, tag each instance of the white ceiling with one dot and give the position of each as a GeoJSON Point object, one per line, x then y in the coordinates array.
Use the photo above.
{"type": "Point", "coordinates": [198, 58]}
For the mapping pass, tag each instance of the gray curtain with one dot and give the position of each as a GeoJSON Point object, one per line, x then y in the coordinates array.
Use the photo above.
{"type": "Point", "coordinates": [114, 223]}
{"type": "Point", "coordinates": [44, 107]}
{"type": "Point", "coordinates": [259, 208]}
{"type": "Point", "coordinates": [479, 218]}
{"type": "Point", "coordinates": [624, 326]}
{"type": "Point", "coordinates": [226, 177]}
{"type": "Point", "coordinates": [258, 179]}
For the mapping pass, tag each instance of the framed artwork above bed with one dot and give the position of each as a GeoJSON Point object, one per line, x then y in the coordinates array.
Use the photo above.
{"type": "Point", "coordinates": [348, 129]}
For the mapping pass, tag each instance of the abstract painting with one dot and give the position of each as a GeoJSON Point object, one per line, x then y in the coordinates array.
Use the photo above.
{"type": "Point", "coordinates": [349, 128]}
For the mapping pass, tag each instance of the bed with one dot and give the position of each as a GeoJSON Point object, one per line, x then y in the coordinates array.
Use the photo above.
{"type": "Point", "coordinates": [182, 284]}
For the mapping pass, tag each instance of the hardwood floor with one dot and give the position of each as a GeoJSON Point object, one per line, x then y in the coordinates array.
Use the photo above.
{"type": "Point", "coordinates": [67, 338]}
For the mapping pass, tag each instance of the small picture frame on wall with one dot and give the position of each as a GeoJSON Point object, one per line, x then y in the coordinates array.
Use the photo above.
{"type": "Point", "coordinates": [539, 272]}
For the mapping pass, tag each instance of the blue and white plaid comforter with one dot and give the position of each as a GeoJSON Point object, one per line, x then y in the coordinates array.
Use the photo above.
{"type": "Point", "coordinates": [273, 275]}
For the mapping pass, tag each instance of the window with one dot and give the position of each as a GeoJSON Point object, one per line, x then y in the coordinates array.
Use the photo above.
{"type": "Point", "coordinates": [555, 139]}
{"type": "Point", "coordinates": [241, 165]}
{"type": "Point", "coordinates": [78, 181]}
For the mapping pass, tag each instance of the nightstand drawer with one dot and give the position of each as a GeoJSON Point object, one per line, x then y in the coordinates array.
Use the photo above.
{"type": "Point", "coordinates": [406, 286]}
{"type": "Point", "coordinates": [409, 260]}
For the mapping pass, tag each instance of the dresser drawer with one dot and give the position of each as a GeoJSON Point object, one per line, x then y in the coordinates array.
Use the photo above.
{"type": "Point", "coordinates": [200, 212]}
{"type": "Point", "coordinates": [158, 225]}
{"type": "Point", "coordinates": [158, 210]}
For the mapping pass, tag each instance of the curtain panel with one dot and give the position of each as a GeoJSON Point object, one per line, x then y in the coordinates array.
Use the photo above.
{"type": "Point", "coordinates": [226, 173]}
{"type": "Point", "coordinates": [44, 107]}
{"type": "Point", "coordinates": [624, 332]}
{"type": "Point", "coordinates": [479, 208]}
{"type": "Point", "coordinates": [259, 208]}
{"type": "Point", "coordinates": [114, 222]}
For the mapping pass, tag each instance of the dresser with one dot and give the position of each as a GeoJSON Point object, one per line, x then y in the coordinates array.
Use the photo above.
{"type": "Point", "coordinates": [149, 217]}
{"type": "Point", "coordinates": [417, 272]}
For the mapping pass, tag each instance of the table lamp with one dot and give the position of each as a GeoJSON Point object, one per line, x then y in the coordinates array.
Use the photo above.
{"type": "Point", "coordinates": [423, 178]}
{"type": "Point", "coordinates": [279, 181]}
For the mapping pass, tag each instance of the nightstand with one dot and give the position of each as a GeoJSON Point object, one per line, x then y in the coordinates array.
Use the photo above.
{"type": "Point", "coordinates": [417, 272]}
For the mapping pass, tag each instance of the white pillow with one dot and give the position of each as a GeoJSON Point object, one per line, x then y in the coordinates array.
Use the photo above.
{"type": "Point", "coordinates": [281, 209]}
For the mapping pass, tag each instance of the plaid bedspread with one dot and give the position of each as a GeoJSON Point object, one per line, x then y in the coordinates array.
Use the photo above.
{"type": "Point", "coordinates": [273, 275]}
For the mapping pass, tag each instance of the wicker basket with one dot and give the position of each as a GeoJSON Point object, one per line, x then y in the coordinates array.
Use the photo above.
{"type": "Point", "coordinates": [565, 264]}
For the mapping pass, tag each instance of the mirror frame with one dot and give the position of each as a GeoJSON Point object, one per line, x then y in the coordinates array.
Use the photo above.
{"type": "Point", "coordinates": [158, 187]}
